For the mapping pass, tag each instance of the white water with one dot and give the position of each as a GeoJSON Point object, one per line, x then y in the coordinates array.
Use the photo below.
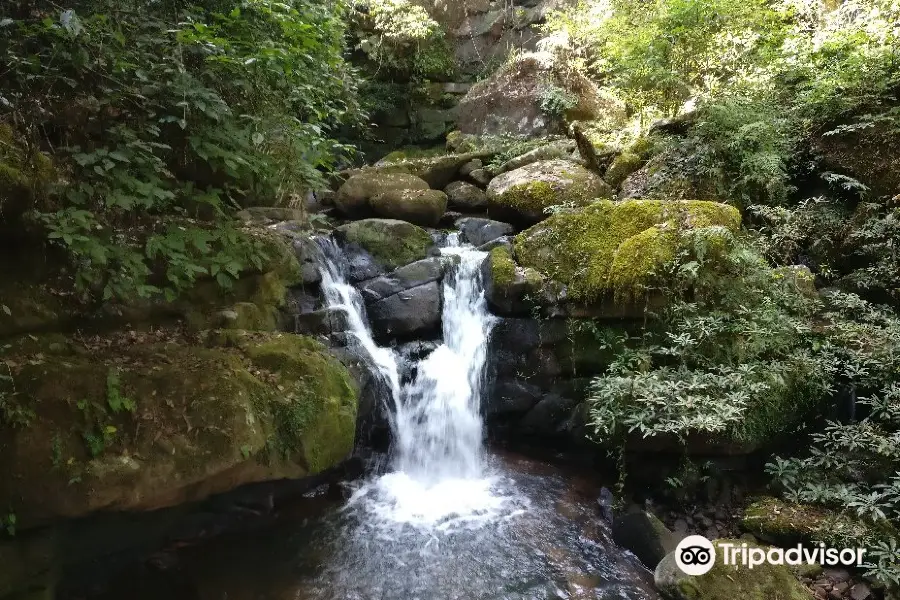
{"type": "Point", "coordinates": [439, 479]}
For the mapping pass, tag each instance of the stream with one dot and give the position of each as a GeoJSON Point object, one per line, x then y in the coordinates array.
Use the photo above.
{"type": "Point", "coordinates": [444, 518]}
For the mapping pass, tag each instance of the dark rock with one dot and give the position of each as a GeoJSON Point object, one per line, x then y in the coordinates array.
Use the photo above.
{"type": "Point", "coordinates": [413, 311]}
{"type": "Point", "coordinates": [605, 503]}
{"type": "Point", "coordinates": [307, 252]}
{"type": "Point", "coordinates": [406, 277]}
{"type": "Point", "coordinates": [362, 265]}
{"type": "Point", "coordinates": [478, 231]}
{"type": "Point", "coordinates": [523, 335]}
{"type": "Point", "coordinates": [321, 322]}
{"type": "Point", "coordinates": [511, 396]}
{"type": "Point", "coordinates": [481, 177]}
{"type": "Point", "coordinates": [547, 417]}
{"type": "Point", "coordinates": [473, 165]}
{"type": "Point", "coordinates": [644, 535]}
{"type": "Point", "coordinates": [501, 242]}
{"type": "Point", "coordinates": [450, 218]}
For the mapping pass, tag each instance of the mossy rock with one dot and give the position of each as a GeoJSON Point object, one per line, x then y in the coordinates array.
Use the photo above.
{"type": "Point", "coordinates": [666, 176]}
{"type": "Point", "coordinates": [26, 177]}
{"type": "Point", "coordinates": [353, 196]}
{"type": "Point", "coordinates": [614, 246]}
{"type": "Point", "coordinates": [624, 165]}
{"type": "Point", "coordinates": [421, 207]}
{"type": "Point", "coordinates": [140, 423]}
{"type": "Point", "coordinates": [788, 523]}
{"type": "Point", "coordinates": [729, 582]}
{"type": "Point", "coordinates": [436, 171]}
{"type": "Point", "coordinates": [391, 242]}
{"type": "Point", "coordinates": [524, 195]}
{"type": "Point", "coordinates": [509, 288]}
{"type": "Point", "coordinates": [411, 153]}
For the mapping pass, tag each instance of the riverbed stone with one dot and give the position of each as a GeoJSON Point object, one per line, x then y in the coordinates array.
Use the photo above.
{"type": "Point", "coordinates": [146, 421]}
{"type": "Point", "coordinates": [413, 311]}
{"type": "Point", "coordinates": [478, 231]}
{"type": "Point", "coordinates": [421, 207]}
{"type": "Point", "coordinates": [728, 582]}
{"type": "Point", "coordinates": [406, 277]}
{"type": "Point", "coordinates": [642, 533]}
{"type": "Point", "coordinates": [523, 195]}
{"type": "Point", "coordinates": [465, 195]}
{"type": "Point", "coordinates": [353, 196]}
{"type": "Point", "coordinates": [391, 242]}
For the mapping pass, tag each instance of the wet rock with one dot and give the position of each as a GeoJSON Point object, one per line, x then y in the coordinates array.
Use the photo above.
{"type": "Point", "coordinates": [501, 242]}
{"type": "Point", "coordinates": [413, 311]}
{"type": "Point", "coordinates": [391, 242]}
{"type": "Point", "coordinates": [465, 196]}
{"type": "Point", "coordinates": [645, 535]}
{"type": "Point", "coordinates": [509, 288]}
{"type": "Point", "coordinates": [326, 321]}
{"type": "Point", "coordinates": [478, 231]}
{"type": "Point", "coordinates": [605, 503]}
{"type": "Point", "coordinates": [406, 277]}
{"type": "Point", "coordinates": [362, 265]}
{"type": "Point", "coordinates": [546, 417]}
{"type": "Point", "coordinates": [307, 252]}
{"type": "Point", "coordinates": [511, 396]}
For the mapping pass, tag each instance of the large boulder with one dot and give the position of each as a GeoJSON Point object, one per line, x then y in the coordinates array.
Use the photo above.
{"type": "Point", "coordinates": [512, 101]}
{"type": "Point", "coordinates": [143, 421]}
{"type": "Point", "coordinates": [728, 582]}
{"type": "Point", "coordinates": [614, 246]}
{"type": "Point", "coordinates": [353, 196]}
{"type": "Point", "coordinates": [404, 278]}
{"type": "Point", "coordinates": [523, 195]}
{"type": "Point", "coordinates": [478, 231]}
{"type": "Point", "coordinates": [465, 196]}
{"type": "Point", "coordinates": [436, 170]}
{"type": "Point", "coordinates": [666, 176]}
{"type": "Point", "coordinates": [509, 288]}
{"type": "Point", "coordinates": [390, 242]}
{"type": "Point", "coordinates": [413, 311]}
{"type": "Point", "coordinates": [422, 207]}
{"type": "Point", "coordinates": [645, 535]}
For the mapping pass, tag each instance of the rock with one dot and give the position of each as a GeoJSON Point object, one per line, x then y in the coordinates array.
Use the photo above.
{"type": "Point", "coordinates": [613, 245]}
{"type": "Point", "coordinates": [478, 231]}
{"type": "Point", "coordinates": [784, 523]}
{"type": "Point", "coordinates": [645, 535]}
{"type": "Point", "coordinates": [504, 241]}
{"type": "Point", "coordinates": [524, 195]}
{"type": "Point", "coordinates": [605, 503]}
{"type": "Point", "coordinates": [480, 177]}
{"type": "Point", "coordinates": [472, 165]}
{"type": "Point", "coordinates": [244, 408]}
{"type": "Point", "coordinates": [860, 591]}
{"type": "Point", "coordinates": [509, 101]}
{"type": "Point", "coordinates": [511, 396]}
{"type": "Point", "coordinates": [353, 196]}
{"type": "Point", "coordinates": [325, 322]}
{"type": "Point", "coordinates": [559, 149]}
{"type": "Point", "coordinates": [465, 196]}
{"type": "Point", "coordinates": [362, 265]}
{"type": "Point", "coordinates": [510, 289]}
{"type": "Point", "coordinates": [546, 417]}
{"type": "Point", "coordinates": [309, 255]}
{"type": "Point", "coordinates": [437, 171]}
{"type": "Point", "coordinates": [403, 278]}
{"type": "Point", "coordinates": [664, 177]}
{"type": "Point", "coordinates": [448, 221]}
{"type": "Point", "coordinates": [624, 165]}
{"type": "Point", "coordinates": [728, 582]}
{"type": "Point", "coordinates": [420, 207]}
{"type": "Point", "coordinates": [413, 311]}
{"type": "Point", "coordinates": [866, 154]}
{"type": "Point", "coordinates": [837, 575]}
{"type": "Point", "coordinates": [390, 242]}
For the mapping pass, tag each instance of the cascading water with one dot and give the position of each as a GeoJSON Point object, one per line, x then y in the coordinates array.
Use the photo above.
{"type": "Point", "coordinates": [439, 476]}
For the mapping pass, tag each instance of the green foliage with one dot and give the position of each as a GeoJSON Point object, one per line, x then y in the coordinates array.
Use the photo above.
{"type": "Point", "coordinates": [727, 355]}
{"type": "Point", "coordinates": [114, 399]}
{"type": "Point", "coordinates": [556, 101]}
{"type": "Point", "coordinates": [168, 111]}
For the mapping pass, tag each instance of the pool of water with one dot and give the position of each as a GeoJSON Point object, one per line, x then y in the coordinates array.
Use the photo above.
{"type": "Point", "coordinates": [538, 538]}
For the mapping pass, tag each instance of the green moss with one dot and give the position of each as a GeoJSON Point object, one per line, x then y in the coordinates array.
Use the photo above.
{"type": "Point", "coordinates": [315, 411]}
{"type": "Point", "coordinates": [252, 317]}
{"type": "Point", "coordinates": [624, 165]}
{"type": "Point", "coordinates": [581, 249]}
{"type": "Point", "coordinates": [788, 523]}
{"type": "Point", "coordinates": [531, 189]}
{"type": "Point", "coordinates": [503, 268]}
{"type": "Point", "coordinates": [412, 153]}
{"type": "Point", "coordinates": [393, 243]}
{"type": "Point", "coordinates": [25, 176]}
{"type": "Point", "coordinates": [728, 582]}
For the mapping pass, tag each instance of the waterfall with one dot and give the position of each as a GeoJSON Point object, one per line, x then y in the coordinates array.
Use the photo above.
{"type": "Point", "coordinates": [438, 476]}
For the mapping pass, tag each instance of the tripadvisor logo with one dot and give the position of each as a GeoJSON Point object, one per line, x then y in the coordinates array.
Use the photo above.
{"type": "Point", "coordinates": [696, 555]}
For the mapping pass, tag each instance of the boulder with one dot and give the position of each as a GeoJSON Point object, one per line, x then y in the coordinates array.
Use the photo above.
{"type": "Point", "coordinates": [390, 242]}
{"type": "Point", "coordinates": [353, 196]}
{"type": "Point", "coordinates": [622, 166]}
{"type": "Point", "coordinates": [406, 277]}
{"type": "Point", "coordinates": [324, 322]}
{"type": "Point", "coordinates": [437, 171]}
{"type": "Point", "coordinates": [664, 177]}
{"type": "Point", "coordinates": [478, 231]}
{"type": "Point", "coordinates": [138, 422]}
{"type": "Point", "coordinates": [421, 207]}
{"type": "Point", "coordinates": [870, 155]}
{"type": "Point", "coordinates": [508, 288]}
{"type": "Point", "coordinates": [510, 102]}
{"type": "Point", "coordinates": [523, 195]}
{"type": "Point", "coordinates": [413, 311]}
{"type": "Point", "coordinates": [547, 417]}
{"type": "Point", "coordinates": [787, 523]}
{"type": "Point", "coordinates": [465, 196]}
{"type": "Point", "coordinates": [480, 177]}
{"type": "Point", "coordinates": [614, 246]}
{"type": "Point", "coordinates": [728, 582]}
{"type": "Point", "coordinates": [511, 397]}
{"type": "Point", "coordinates": [645, 535]}
{"type": "Point", "coordinates": [559, 149]}
{"type": "Point", "coordinates": [263, 215]}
